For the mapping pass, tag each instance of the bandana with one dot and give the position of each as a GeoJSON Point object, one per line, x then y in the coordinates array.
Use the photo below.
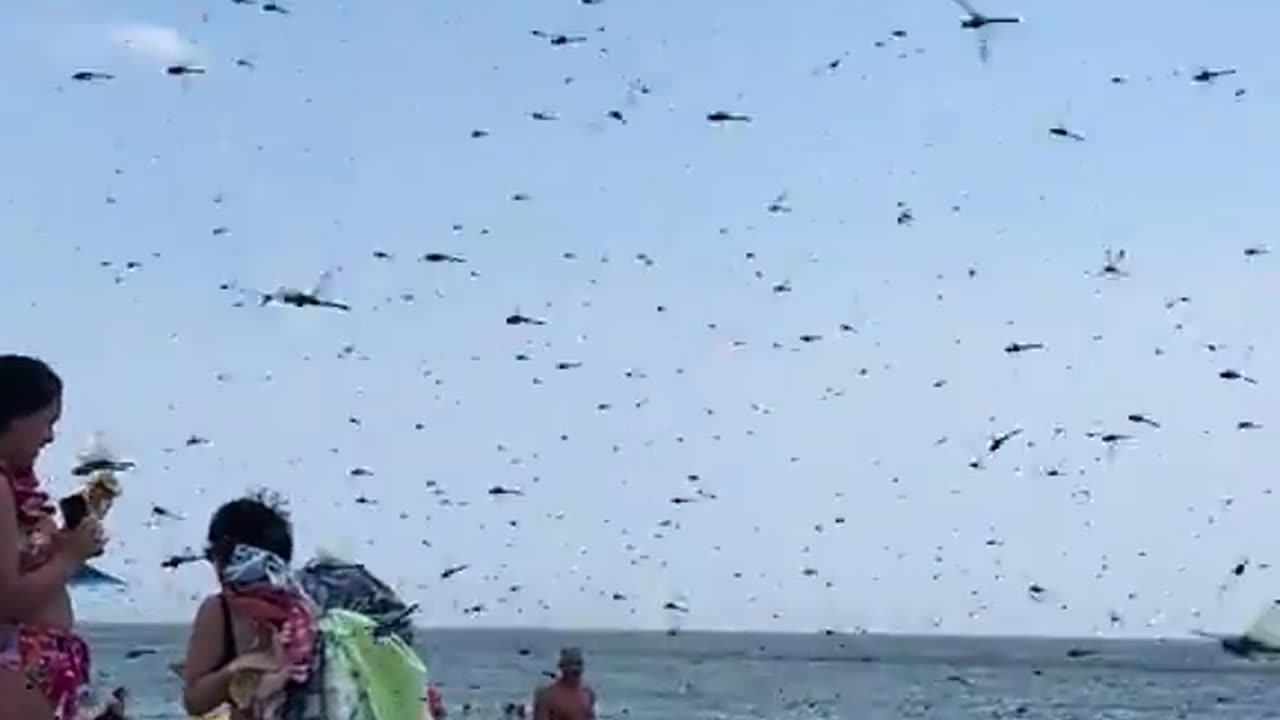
{"type": "Point", "coordinates": [259, 585]}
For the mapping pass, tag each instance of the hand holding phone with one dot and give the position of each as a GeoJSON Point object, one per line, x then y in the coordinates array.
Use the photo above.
{"type": "Point", "coordinates": [74, 510]}
{"type": "Point", "coordinates": [86, 541]}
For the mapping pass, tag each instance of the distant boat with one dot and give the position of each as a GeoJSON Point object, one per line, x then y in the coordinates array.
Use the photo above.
{"type": "Point", "coordinates": [1261, 640]}
{"type": "Point", "coordinates": [89, 576]}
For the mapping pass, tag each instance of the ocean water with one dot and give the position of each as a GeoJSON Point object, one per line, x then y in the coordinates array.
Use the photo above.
{"type": "Point", "coordinates": [697, 676]}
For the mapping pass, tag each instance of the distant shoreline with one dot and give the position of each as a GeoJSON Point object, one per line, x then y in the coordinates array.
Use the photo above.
{"type": "Point", "coordinates": [639, 633]}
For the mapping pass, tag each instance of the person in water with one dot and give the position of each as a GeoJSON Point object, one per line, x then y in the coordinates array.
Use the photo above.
{"type": "Point", "coordinates": [568, 697]}
{"type": "Point", "coordinates": [249, 537]}
{"type": "Point", "coordinates": [115, 706]}
{"type": "Point", "coordinates": [44, 664]}
{"type": "Point", "coordinates": [434, 708]}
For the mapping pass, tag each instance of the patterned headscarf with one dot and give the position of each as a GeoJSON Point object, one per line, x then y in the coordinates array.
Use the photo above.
{"type": "Point", "coordinates": [258, 584]}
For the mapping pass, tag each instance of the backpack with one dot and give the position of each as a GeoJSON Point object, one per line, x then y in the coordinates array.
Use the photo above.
{"type": "Point", "coordinates": [365, 667]}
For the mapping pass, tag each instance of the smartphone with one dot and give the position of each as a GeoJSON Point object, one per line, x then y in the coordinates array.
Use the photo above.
{"type": "Point", "coordinates": [74, 509]}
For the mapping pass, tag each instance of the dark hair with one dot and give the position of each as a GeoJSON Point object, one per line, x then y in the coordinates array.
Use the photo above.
{"type": "Point", "coordinates": [27, 386]}
{"type": "Point", "coordinates": [257, 520]}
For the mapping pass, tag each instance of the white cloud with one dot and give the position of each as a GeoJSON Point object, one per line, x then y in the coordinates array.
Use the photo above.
{"type": "Point", "coordinates": [156, 43]}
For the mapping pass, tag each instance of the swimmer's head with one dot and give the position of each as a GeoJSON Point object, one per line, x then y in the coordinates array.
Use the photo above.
{"type": "Point", "coordinates": [30, 406]}
{"type": "Point", "coordinates": [571, 663]}
{"type": "Point", "coordinates": [258, 520]}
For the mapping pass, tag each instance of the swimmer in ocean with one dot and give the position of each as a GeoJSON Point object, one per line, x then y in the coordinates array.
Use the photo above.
{"type": "Point", "coordinates": [568, 697]}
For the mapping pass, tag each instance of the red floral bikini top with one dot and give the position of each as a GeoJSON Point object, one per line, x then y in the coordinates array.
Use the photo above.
{"type": "Point", "coordinates": [35, 518]}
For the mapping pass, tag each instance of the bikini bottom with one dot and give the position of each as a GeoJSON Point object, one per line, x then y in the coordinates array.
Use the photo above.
{"type": "Point", "coordinates": [55, 661]}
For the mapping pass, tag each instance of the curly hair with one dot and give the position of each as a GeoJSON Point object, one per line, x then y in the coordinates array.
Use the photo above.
{"type": "Point", "coordinates": [259, 519]}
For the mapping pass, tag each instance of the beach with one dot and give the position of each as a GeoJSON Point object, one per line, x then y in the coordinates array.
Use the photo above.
{"type": "Point", "coordinates": [730, 676]}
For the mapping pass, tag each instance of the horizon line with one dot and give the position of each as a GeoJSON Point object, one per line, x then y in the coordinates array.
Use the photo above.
{"type": "Point", "coordinates": [1188, 637]}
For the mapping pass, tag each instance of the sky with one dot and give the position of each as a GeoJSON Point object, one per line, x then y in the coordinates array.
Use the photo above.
{"type": "Point", "coordinates": [803, 317]}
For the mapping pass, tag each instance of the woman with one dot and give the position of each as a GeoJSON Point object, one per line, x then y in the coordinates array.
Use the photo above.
{"type": "Point", "coordinates": [43, 663]}
{"type": "Point", "coordinates": [258, 621]}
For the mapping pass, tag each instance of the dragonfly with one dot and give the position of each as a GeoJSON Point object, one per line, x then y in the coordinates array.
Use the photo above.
{"type": "Point", "coordinates": [675, 610]}
{"type": "Point", "coordinates": [316, 297]}
{"type": "Point", "coordinates": [1113, 264]}
{"type": "Point", "coordinates": [1208, 75]}
{"type": "Point", "coordinates": [88, 576]}
{"type": "Point", "coordinates": [92, 76]}
{"type": "Point", "coordinates": [978, 21]}
{"type": "Point", "coordinates": [98, 457]}
{"type": "Point", "coordinates": [387, 627]}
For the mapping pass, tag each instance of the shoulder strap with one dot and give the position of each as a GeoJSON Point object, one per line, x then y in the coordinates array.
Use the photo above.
{"type": "Point", "coordinates": [228, 634]}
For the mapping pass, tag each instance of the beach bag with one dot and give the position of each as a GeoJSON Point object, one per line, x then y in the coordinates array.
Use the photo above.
{"type": "Point", "coordinates": [334, 584]}
{"type": "Point", "coordinates": [369, 676]}
{"type": "Point", "coordinates": [365, 667]}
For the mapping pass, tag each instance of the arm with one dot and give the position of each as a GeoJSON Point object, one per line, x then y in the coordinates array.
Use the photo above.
{"type": "Point", "coordinates": [591, 704]}
{"type": "Point", "coordinates": [541, 709]}
{"type": "Point", "coordinates": [205, 688]}
{"type": "Point", "coordinates": [23, 593]}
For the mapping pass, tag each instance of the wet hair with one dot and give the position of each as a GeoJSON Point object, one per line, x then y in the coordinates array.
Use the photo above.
{"type": "Point", "coordinates": [27, 386]}
{"type": "Point", "coordinates": [257, 520]}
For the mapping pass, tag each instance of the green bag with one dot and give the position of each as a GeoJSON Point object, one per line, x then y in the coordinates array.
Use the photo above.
{"type": "Point", "coordinates": [389, 674]}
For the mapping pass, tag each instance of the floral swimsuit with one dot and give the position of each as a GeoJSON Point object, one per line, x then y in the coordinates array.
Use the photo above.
{"type": "Point", "coordinates": [55, 660]}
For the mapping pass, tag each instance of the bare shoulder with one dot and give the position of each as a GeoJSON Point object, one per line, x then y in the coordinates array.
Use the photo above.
{"type": "Point", "coordinates": [204, 646]}
{"type": "Point", "coordinates": [209, 607]}
{"type": "Point", "coordinates": [207, 624]}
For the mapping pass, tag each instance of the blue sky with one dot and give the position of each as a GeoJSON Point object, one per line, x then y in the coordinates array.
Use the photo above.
{"type": "Point", "coordinates": [352, 134]}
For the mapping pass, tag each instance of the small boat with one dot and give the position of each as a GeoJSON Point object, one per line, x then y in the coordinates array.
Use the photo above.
{"type": "Point", "coordinates": [1260, 641]}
